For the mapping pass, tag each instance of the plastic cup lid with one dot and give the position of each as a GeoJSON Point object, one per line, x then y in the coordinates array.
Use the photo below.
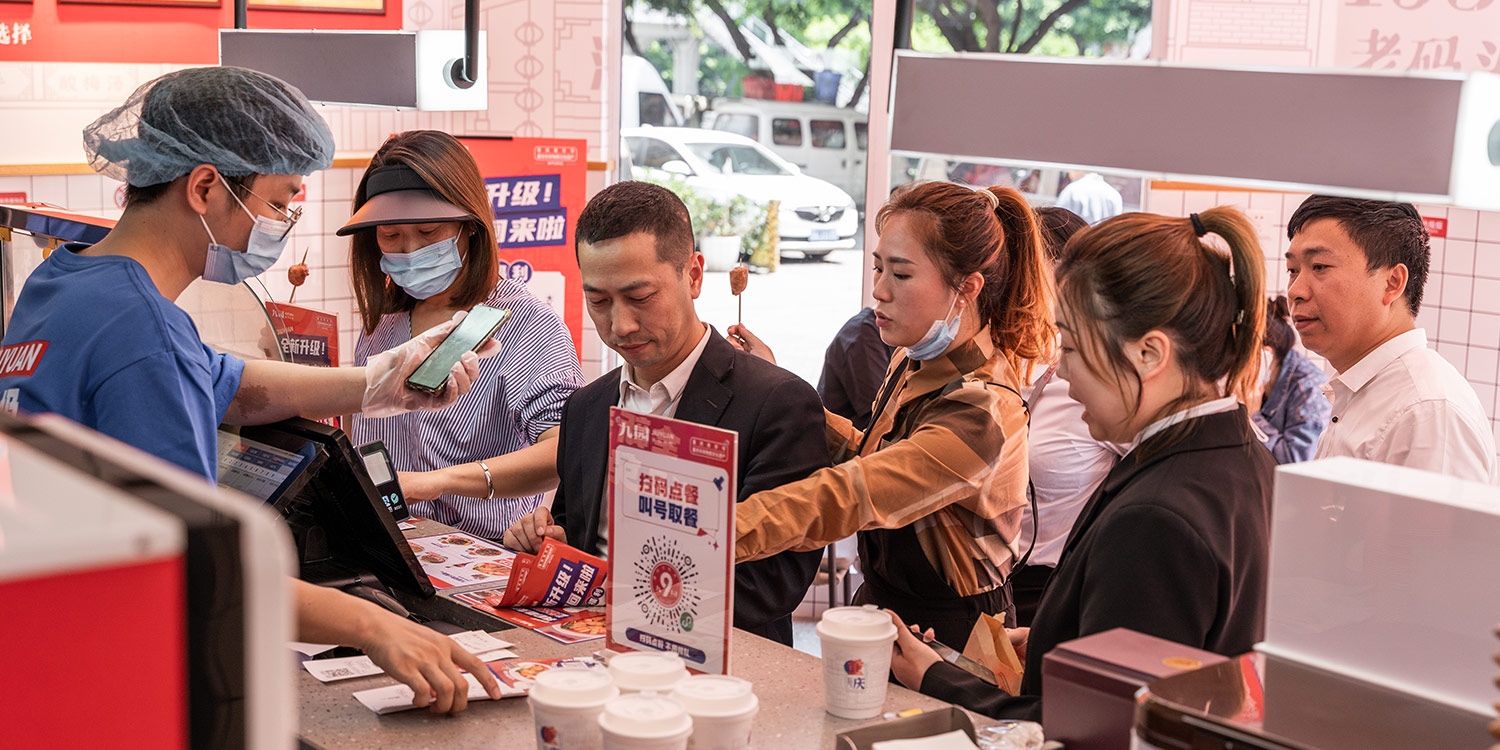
{"type": "Point", "coordinates": [867, 623]}
{"type": "Point", "coordinates": [716, 695]}
{"type": "Point", "coordinates": [647, 670]}
{"type": "Point", "coordinates": [573, 687]}
{"type": "Point", "coordinates": [645, 715]}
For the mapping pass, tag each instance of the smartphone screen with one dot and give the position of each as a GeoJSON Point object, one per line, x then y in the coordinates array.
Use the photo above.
{"type": "Point", "coordinates": [480, 324]}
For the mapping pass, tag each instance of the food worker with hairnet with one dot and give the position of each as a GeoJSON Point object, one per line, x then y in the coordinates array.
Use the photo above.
{"type": "Point", "coordinates": [212, 158]}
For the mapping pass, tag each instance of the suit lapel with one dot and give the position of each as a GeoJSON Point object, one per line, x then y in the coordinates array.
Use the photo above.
{"type": "Point", "coordinates": [595, 459]}
{"type": "Point", "coordinates": [705, 397]}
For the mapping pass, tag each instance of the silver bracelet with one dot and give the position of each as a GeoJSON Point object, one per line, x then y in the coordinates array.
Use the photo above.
{"type": "Point", "coordinates": [488, 480]}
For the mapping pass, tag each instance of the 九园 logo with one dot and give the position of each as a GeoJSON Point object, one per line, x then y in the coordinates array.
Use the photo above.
{"type": "Point", "coordinates": [854, 667]}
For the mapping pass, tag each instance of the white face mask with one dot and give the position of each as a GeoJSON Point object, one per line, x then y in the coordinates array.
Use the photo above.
{"type": "Point", "coordinates": [267, 240]}
{"type": "Point", "coordinates": [939, 336]}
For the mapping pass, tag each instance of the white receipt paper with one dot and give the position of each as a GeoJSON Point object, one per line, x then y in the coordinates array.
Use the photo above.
{"type": "Point", "coordinates": [483, 645]}
{"type": "Point", "coordinates": [389, 700]}
{"type": "Point", "coordinates": [954, 740]}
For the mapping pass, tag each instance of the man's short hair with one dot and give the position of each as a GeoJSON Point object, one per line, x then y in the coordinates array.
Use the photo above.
{"type": "Point", "coordinates": [625, 208]}
{"type": "Point", "coordinates": [1387, 232]}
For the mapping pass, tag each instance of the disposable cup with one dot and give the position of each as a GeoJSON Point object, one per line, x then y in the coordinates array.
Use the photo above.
{"type": "Point", "coordinates": [639, 671]}
{"type": "Point", "coordinates": [723, 710]}
{"type": "Point", "coordinates": [566, 704]}
{"type": "Point", "coordinates": [856, 660]}
{"type": "Point", "coordinates": [645, 721]}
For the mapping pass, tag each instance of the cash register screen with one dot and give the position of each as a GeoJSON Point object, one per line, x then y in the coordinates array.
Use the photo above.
{"type": "Point", "coordinates": [259, 469]}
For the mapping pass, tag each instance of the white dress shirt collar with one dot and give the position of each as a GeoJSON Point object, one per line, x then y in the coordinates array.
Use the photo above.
{"type": "Point", "coordinates": [1227, 403]}
{"type": "Point", "coordinates": [663, 396]}
{"type": "Point", "coordinates": [1365, 370]}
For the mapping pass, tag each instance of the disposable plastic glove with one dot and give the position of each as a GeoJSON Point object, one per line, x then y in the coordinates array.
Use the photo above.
{"type": "Point", "coordinates": [386, 393]}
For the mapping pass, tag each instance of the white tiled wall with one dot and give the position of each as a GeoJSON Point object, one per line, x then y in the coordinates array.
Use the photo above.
{"type": "Point", "coordinates": [1460, 306]}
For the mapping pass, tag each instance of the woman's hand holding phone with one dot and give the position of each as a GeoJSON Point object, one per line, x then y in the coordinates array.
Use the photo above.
{"type": "Point", "coordinates": [386, 393]}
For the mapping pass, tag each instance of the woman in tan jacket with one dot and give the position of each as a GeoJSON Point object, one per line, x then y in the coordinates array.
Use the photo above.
{"type": "Point", "coordinates": [936, 486]}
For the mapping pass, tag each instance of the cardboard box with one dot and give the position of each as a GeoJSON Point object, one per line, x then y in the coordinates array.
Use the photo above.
{"type": "Point", "coordinates": [1090, 684]}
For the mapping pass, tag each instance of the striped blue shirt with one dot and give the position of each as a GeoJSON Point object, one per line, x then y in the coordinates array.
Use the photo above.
{"type": "Point", "coordinates": [518, 395]}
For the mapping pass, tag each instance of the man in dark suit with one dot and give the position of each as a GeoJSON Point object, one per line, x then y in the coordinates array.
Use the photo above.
{"type": "Point", "coordinates": [640, 277]}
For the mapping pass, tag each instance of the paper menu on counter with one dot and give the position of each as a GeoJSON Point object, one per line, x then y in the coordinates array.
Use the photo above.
{"type": "Point", "coordinates": [561, 624]}
{"type": "Point", "coordinates": [483, 645]}
{"type": "Point", "coordinates": [515, 679]}
{"type": "Point", "coordinates": [394, 698]}
{"type": "Point", "coordinates": [672, 492]}
{"type": "Point", "coordinates": [459, 559]}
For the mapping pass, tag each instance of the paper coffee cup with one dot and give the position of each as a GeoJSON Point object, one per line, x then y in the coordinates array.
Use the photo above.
{"type": "Point", "coordinates": [856, 660]}
{"type": "Point", "coordinates": [639, 671]}
{"type": "Point", "coordinates": [566, 703]}
{"type": "Point", "coordinates": [723, 709]}
{"type": "Point", "coordinates": [645, 721]}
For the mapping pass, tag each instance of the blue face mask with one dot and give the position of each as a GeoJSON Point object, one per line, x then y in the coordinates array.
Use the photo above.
{"type": "Point", "coordinates": [939, 337]}
{"type": "Point", "coordinates": [424, 272]}
{"type": "Point", "coordinates": [267, 239]}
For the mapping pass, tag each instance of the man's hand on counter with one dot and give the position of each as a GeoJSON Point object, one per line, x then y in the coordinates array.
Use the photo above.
{"type": "Point", "coordinates": [422, 659]}
{"type": "Point", "coordinates": [427, 662]}
{"type": "Point", "coordinates": [528, 533]}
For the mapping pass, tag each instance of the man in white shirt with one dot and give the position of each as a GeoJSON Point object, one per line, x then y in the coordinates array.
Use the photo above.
{"type": "Point", "coordinates": [640, 277]}
{"type": "Point", "coordinates": [1358, 268]}
{"type": "Point", "coordinates": [1089, 196]}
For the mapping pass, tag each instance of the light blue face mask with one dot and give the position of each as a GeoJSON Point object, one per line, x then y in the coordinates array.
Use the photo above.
{"type": "Point", "coordinates": [939, 337]}
{"type": "Point", "coordinates": [267, 239]}
{"type": "Point", "coordinates": [425, 272]}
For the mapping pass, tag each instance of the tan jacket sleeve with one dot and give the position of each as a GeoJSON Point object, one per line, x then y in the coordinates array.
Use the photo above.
{"type": "Point", "coordinates": [956, 455]}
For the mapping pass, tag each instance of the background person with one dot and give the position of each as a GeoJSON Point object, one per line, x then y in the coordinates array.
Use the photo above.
{"type": "Point", "coordinates": [423, 248]}
{"type": "Point", "coordinates": [935, 487]}
{"type": "Point", "coordinates": [1293, 411]}
{"type": "Point", "coordinates": [211, 158]}
{"type": "Point", "coordinates": [640, 277]}
{"type": "Point", "coordinates": [1175, 542]}
{"type": "Point", "coordinates": [1089, 196]}
{"type": "Point", "coordinates": [1358, 268]}
{"type": "Point", "coordinates": [853, 369]}
{"type": "Point", "coordinates": [1065, 463]}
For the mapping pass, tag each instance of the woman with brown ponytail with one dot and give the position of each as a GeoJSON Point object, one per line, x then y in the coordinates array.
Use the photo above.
{"type": "Point", "coordinates": [1161, 335]}
{"type": "Point", "coordinates": [935, 487]}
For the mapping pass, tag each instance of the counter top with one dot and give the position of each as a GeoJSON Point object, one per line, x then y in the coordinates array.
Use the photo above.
{"type": "Point", "coordinates": [788, 682]}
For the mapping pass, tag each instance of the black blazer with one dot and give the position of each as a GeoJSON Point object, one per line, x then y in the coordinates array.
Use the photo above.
{"type": "Point", "coordinates": [781, 426]}
{"type": "Point", "coordinates": [1174, 543]}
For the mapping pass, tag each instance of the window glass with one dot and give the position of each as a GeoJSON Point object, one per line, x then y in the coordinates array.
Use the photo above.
{"type": "Point", "coordinates": [730, 158]}
{"type": "Point", "coordinates": [741, 123]}
{"type": "Point", "coordinates": [650, 152]}
{"type": "Point", "coordinates": [786, 131]}
{"type": "Point", "coordinates": [862, 135]}
{"type": "Point", "coordinates": [827, 133]}
{"type": "Point", "coordinates": [655, 110]}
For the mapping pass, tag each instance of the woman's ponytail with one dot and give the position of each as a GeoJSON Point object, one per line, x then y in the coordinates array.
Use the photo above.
{"type": "Point", "coordinates": [1018, 307]}
{"type": "Point", "coordinates": [1248, 275]}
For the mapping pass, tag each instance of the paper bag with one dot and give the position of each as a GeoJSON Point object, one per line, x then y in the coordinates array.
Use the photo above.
{"type": "Point", "coordinates": [990, 645]}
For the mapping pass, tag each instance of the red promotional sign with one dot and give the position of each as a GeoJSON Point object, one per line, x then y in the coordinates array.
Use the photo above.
{"type": "Point", "coordinates": [1435, 227]}
{"type": "Point", "coordinates": [536, 189]}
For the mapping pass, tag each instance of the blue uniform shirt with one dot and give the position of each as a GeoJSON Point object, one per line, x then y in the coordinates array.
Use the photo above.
{"type": "Point", "coordinates": [92, 339]}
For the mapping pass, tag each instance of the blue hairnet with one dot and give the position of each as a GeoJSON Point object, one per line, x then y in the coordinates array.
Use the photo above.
{"type": "Point", "coordinates": [240, 121]}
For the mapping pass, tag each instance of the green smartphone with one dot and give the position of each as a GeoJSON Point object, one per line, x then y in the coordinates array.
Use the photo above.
{"type": "Point", "coordinates": [480, 324]}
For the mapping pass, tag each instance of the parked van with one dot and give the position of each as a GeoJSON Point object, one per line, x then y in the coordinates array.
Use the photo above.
{"type": "Point", "coordinates": [644, 97]}
{"type": "Point", "coordinates": [825, 141]}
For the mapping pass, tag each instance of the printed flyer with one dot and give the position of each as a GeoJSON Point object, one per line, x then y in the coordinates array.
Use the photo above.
{"type": "Point", "coordinates": [561, 624]}
{"type": "Point", "coordinates": [671, 538]}
{"type": "Point", "coordinates": [458, 559]}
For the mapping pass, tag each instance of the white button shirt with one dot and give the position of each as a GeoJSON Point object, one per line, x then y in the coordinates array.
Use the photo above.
{"type": "Point", "coordinates": [1404, 404]}
{"type": "Point", "coordinates": [660, 399]}
{"type": "Point", "coordinates": [1066, 464]}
